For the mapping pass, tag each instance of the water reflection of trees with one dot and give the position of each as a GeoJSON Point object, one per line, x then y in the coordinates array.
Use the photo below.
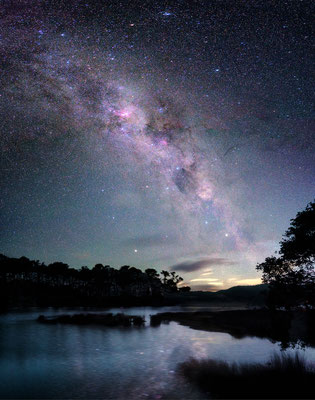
{"type": "Point", "coordinates": [295, 329]}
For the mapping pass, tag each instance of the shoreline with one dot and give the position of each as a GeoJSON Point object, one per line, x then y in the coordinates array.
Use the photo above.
{"type": "Point", "coordinates": [289, 328]}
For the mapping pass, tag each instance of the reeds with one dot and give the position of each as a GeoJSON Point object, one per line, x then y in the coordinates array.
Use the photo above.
{"type": "Point", "coordinates": [284, 376]}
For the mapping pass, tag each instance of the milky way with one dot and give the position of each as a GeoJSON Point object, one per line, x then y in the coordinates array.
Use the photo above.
{"type": "Point", "coordinates": [154, 135]}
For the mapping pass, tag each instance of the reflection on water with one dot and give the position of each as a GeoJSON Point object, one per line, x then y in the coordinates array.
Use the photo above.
{"type": "Point", "coordinates": [63, 361]}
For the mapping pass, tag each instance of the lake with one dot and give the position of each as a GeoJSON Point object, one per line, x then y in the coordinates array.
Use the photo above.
{"type": "Point", "coordinates": [67, 361]}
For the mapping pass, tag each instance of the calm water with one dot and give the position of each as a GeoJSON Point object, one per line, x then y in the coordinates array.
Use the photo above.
{"type": "Point", "coordinates": [60, 361]}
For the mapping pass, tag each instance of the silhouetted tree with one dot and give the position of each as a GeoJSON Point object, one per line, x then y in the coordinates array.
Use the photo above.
{"type": "Point", "coordinates": [185, 289]}
{"type": "Point", "coordinates": [291, 275]}
{"type": "Point", "coordinates": [170, 280]}
{"type": "Point", "coordinates": [165, 274]}
{"type": "Point", "coordinates": [85, 273]}
{"type": "Point", "coordinates": [298, 245]}
{"type": "Point", "coordinates": [173, 280]}
{"type": "Point", "coordinates": [152, 273]}
{"type": "Point", "coordinates": [58, 272]}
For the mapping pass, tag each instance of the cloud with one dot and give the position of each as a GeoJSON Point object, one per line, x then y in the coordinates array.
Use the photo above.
{"type": "Point", "coordinates": [253, 281]}
{"type": "Point", "coordinates": [207, 288]}
{"type": "Point", "coordinates": [192, 266]}
{"type": "Point", "coordinates": [208, 272]}
{"type": "Point", "coordinates": [204, 280]}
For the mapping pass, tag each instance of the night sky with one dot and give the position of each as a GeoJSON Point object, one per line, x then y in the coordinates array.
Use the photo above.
{"type": "Point", "coordinates": [173, 135]}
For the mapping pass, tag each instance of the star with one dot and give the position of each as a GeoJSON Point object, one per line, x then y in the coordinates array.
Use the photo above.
{"type": "Point", "coordinates": [166, 13]}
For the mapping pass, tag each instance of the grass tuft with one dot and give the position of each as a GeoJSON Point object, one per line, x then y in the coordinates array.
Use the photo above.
{"type": "Point", "coordinates": [283, 377]}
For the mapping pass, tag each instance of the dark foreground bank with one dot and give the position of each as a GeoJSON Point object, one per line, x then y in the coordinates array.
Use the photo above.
{"type": "Point", "coordinates": [94, 319]}
{"type": "Point", "coordinates": [284, 377]}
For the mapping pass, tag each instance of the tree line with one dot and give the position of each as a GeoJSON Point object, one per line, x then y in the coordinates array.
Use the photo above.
{"type": "Point", "coordinates": [91, 286]}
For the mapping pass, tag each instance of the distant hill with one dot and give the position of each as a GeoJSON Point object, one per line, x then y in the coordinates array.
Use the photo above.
{"type": "Point", "coordinates": [250, 295]}
{"type": "Point", "coordinates": [255, 293]}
